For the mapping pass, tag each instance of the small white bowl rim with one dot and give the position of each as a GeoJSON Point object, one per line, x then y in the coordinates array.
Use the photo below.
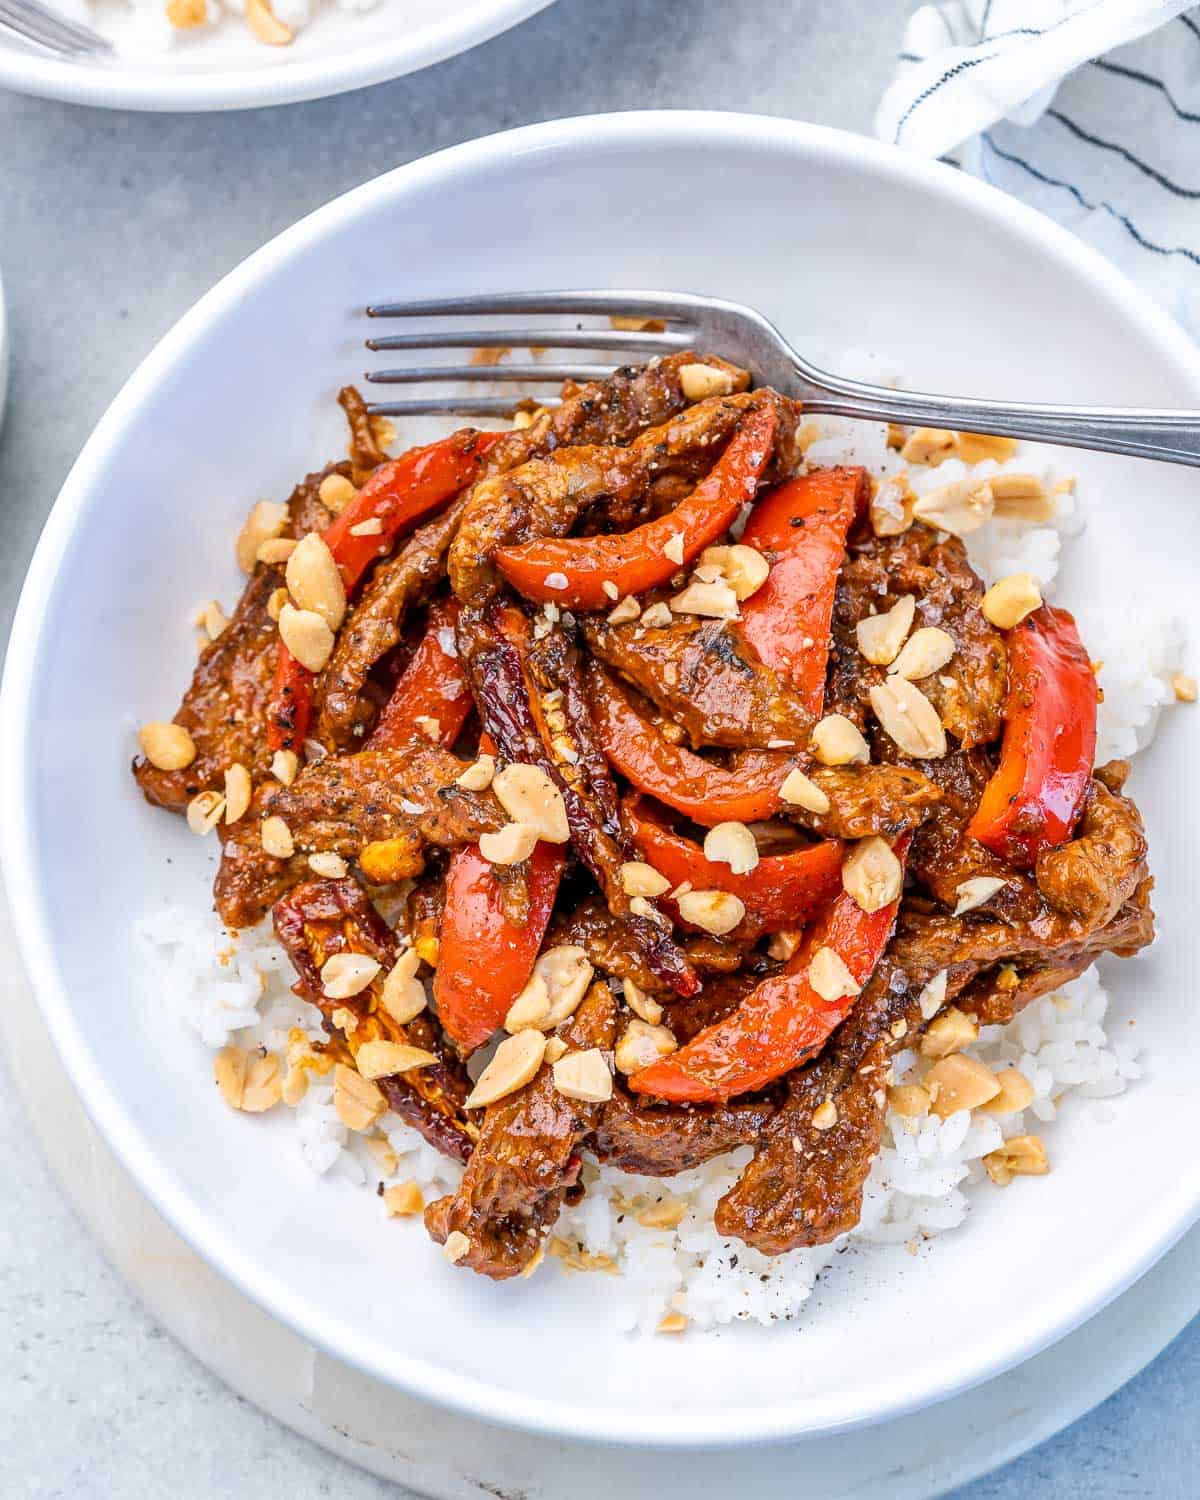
{"type": "Point", "coordinates": [1023, 1335]}
{"type": "Point", "coordinates": [142, 86]}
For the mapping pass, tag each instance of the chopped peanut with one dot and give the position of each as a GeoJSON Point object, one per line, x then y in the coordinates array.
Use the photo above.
{"type": "Point", "coordinates": [529, 796]}
{"type": "Point", "coordinates": [335, 492]}
{"type": "Point", "coordinates": [641, 879]}
{"type": "Point", "coordinates": [515, 1062]}
{"type": "Point", "coordinates": [871, 874]}
{"type": "Point", "coordinates": [168, 747]}
{"type": "Point", "coordinates": [699, 382]}
{"type": "Point", "coordinates": [667, 1213]}
{"type": "Point", "coordinates": [717, 912]}
{"type": "Point", "coordinates": [951, 1032]}
{"type": "Point", "coordinates": [836, 741]}
{"type": "Point", "coordinates": [909, 1100]}
{"type": "Point", "coordinates": [584, 1076]}
{"type": "Point", "coordinates": [276, 838]}
{"type": "Point", "coordinates": [926, 651]}
{"type": "Point", "coordinates": [825, 1116]}
{"type": "Point", "coordinates": [642, 1045]}
{"type": "Point", "coordinates": [960, 1082]}
{"type": "Point", "coordinates": [829, 976]}
{"type": "Point", "coordinates": [508, 845]}
{"type": "Point", "coordinates": [801, 791]}
{"type": "Point", "coordinates": [314, 581]}
{"type": "Point", "coordinates": [1007, 602]}
{"type": "Point", "coordinates": [960, 507]}
{"type": "Point", "coordinates": [881, 636]}
{"type": "Point", "coordinates": [1020, 1156]}
{"type": "Point", "coordinates": [380, 1059]}
{"type": "Point", "coordinates": [1016, 1093]}
{"type": "Point", "coordinates": [403, 1200]}
{"type": "Point", "coordinates": [357, 1101]}
{"type": "Point", "coordinates": [909, 718]}
{"type": "Point", "coordinates": [306, 635]}
{"type": "Point", "coordinates": [731, 844]}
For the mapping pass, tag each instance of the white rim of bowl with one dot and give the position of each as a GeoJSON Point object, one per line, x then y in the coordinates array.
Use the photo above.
{"type": "Point", "coordinates": [1090, 1287]}
{"type": "Point", "coordinates": [138, 84]}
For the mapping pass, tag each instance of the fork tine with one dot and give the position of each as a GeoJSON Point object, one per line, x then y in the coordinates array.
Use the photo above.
{"type": "Point", "coordinates": [528, 374]}
{"type": "Point", "coordinates": [33, 29]}
{"type": "Point", "coordinates": [48, 34]}
{"type": "Point", "coordinates": [38, 23]}
{"type": "Point", "coordinates": [533, 338]}
{"type": "Point", "coordinates": [448, 406]}
{"type": "Point", "coordinates": [614, 303]}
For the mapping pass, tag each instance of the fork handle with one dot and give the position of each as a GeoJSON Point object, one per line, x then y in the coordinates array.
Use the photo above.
{"type": "Point", "coordinates": [1169, 434]}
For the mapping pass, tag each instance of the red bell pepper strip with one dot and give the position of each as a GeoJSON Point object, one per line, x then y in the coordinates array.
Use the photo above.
{"type": "Point", "coordinates": [402, 491]}
{"type": "Point", "coordinates": [397, 493]}
{"type": "Point", "coordinates": [484, 961]}
{"type": "Point", "coordinates": [290, 704]}
{"type": "Point", "coordinates": [635, 560]}
{"type": "Point", "coordinates": [783, 890]}
{"type": "Point", "coordinates": [802, 526]}
{"type": "Point", "coordinates": [1035, 796]}
{"type": "Point", "coordinates": [783, 1020]}
{"type": "Point", "coordinates": [683, 780]}
{"type": "Point", "coordinates": [432, 686]}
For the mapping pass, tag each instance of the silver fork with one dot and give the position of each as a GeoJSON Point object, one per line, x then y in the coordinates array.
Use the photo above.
{"type": "Point", "coordinates": [44, 27]}
{"type": "Point", "coordinates": [740, 334]}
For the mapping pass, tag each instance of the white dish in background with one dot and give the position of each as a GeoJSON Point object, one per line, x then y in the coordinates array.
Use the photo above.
{"type": "Point", "coordinates": [836, 238]}
{"type": "Point", "coordinates": [228, 68]}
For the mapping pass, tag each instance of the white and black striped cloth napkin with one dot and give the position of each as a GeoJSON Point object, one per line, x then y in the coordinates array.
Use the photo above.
{"type": "Point", "coordinates": [1087, 109]}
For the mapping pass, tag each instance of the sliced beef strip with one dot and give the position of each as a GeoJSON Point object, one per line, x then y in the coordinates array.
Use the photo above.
{"type": "Point", "coordinates": [804, 1186]}
{"type": "Point", "coordinates": [225, 708]}
{"type": "Point", "coordinates": [406, 796]}
{"type": "Point", "coordinates": [997, 994]}
{"type": "Point", "coordinates": [306, 510]}
{"type": "Point", "coordinates": [865, 800]}
{"type": "Point", "coordinates": [613, 410]}
{"type": "Point", "coordinates": [707, 679]}
{"type": "Point", "coordinates": [943, 856]}
{"type": "Point", "coordinates": [968, 692]}
{"type": "Point", "coordinates": [611, 948]}
{"type": "Point", "coordinates": [551, 495]}
{"type": "Point", "coordinates": [365, 453]}
{"type": "Point", "coordinates": [661, 1141]}
{"type": "Point", "coordinates": [720, 996]}
{"type": "Point", "coordinates": [374, 626]}
{"type": "Point", "coordinates": [884, 799]}
{"type": "Point", "coordinates": [345, 802]}
{"type": "Point", "coordinates": [1088, 878]}
{"type": "Point", "coordinates": [1092, 876]}
{"type": "Point", "coordinates": [322, 917]}
{"type": "Point", "coordinates": [610, 411]}
{"type": "Point", "coordinates": [526, 1160]}
{"type": "Point", "coordinates": [249, 881]}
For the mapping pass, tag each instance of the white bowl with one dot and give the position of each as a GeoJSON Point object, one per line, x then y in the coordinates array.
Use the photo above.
{"type": "Point", "coordinates": [227, 68]}
{"type": "Point", "coordinates": [836, 238]}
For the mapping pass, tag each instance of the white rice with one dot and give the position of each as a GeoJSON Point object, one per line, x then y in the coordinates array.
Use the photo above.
{"type": "Point", "coordinates": [228, 988]}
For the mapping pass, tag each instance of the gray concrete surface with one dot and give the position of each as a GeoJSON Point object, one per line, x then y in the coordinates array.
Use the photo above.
{"type": "Point", "coordinates": [110, 226]}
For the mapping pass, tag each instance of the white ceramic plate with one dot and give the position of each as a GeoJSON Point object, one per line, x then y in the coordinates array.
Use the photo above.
{"type": "Point", "coordinates": [836, 238]}
{"type": "Point", "coordinates": [226, 68]}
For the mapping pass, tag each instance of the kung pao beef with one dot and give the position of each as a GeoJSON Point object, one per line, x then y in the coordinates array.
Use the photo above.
{"type": "Point", "coordinates": [707, 780]}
